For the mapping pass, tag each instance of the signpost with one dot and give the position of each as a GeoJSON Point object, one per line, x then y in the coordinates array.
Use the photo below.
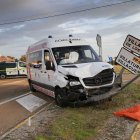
{"type": "Point", "coordinates": [133, 44]}
{"type": "Point", "coordinates": [99, 43]}
{"type": "Point", "coordinates": [129, 58]}
{"type": "Point", "coordinates": [129, 55]}
{"type": "Point", "coordinates": [129, 61]}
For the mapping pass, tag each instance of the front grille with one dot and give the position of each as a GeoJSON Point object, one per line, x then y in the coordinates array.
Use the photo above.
{"type": "Point", "coordinates": [102, 78]}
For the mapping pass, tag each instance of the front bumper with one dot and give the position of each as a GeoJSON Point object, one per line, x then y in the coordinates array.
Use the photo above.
{"type": "Point", "coordinates": [93, 98]}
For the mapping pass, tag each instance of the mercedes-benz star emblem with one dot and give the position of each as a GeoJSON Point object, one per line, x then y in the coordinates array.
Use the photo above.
{"type": "Point", "coordinates": [98, 80]}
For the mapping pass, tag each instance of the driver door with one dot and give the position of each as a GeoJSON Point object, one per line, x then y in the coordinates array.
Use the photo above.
{"type": "Point", "coordinates": [48, 70]}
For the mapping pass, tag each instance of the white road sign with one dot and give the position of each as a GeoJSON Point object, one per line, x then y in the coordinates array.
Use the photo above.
{"type": "Point", "coordinates": [132, 43]}
{"type": "Point", "coordinates": [129, 61]}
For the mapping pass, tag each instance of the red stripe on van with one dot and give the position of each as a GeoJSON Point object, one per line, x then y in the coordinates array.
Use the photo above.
{"type": "Point", "coordinates": [44, 90]}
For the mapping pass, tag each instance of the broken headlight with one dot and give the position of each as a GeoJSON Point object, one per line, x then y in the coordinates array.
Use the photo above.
{"type": "Point", "coordinates": [74, 83]}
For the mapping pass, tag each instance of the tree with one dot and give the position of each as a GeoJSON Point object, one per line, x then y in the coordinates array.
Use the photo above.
{"type": "Point", "coordinates": [23, 58]}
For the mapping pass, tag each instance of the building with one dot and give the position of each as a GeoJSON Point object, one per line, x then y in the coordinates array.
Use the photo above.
{"type": "Point", "coordinates": [6, 59]}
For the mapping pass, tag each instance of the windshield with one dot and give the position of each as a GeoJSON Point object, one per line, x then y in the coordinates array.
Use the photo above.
{"type": "Point", "coordinates": [75, 55]}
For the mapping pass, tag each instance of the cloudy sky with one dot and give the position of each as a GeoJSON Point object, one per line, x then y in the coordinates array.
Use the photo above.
{"type": "Point", "coordinates": [113, 23]}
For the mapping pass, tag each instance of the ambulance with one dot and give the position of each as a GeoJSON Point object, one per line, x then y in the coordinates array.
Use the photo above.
{"type": "Point", "coordinates": [12, 69]}
{"type": "Point", "coordinates": [69, 70]}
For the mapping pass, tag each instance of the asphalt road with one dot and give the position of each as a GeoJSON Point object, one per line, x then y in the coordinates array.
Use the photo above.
{"type": "Point", "coordinates": [11, 88]}
{"type": "Point", "coordinates": [11, 111]}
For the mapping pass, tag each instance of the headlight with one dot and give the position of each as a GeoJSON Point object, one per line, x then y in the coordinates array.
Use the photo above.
{"type": "Point", "coordinates": [74, 83]}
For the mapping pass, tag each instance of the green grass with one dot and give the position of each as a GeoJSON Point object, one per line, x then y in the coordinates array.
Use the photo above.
{"type": "Point", "coordinates": [117, 69]}
{"type": "Point", "coordinates": [86, 122]}
{"type": "Point", "coordinates": [40, 138]}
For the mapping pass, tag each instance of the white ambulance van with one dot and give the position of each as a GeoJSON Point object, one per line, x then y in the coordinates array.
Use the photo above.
{"type": "Point", "coordinates": [68, 70]}
{"type": "Point", "coordinates": [10, 69]}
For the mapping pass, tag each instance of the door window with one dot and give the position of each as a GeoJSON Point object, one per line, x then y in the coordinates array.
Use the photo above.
{"type": "Point", "coordinates": [21, 64]}
{"type": "Point", "coordinates": [35, 60]}
{"type": "Point", "coordinates": [48, 60]}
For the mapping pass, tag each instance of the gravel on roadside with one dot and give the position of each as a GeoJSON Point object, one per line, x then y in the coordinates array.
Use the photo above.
{"type": "Point", "coordinates": [117, 128]}
{"type": "Point", "coordinates": [38, 126]}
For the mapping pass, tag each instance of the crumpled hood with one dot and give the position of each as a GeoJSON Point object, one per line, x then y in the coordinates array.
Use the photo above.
{"type": "Point", "coordinates": [85, 70]}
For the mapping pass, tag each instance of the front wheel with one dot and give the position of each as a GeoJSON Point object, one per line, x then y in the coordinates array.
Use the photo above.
{"type": "Point", "coordinates": [2, 76]}
{"type": "Point", "coordinates": [59, 97]}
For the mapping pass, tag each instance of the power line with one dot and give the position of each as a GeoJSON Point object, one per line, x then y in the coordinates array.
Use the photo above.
{"type": "Point", "coordinates": [67, 13]}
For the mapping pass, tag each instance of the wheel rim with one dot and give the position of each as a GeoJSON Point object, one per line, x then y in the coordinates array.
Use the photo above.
{"type": "Point", "coordinates": [59, 99]}
{"type": "Point", "coordinates": [2, 76]}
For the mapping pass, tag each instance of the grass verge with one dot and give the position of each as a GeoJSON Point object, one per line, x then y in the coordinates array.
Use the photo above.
{"type": "Point", "coordinates": [117, 69]}
{"type": "Point", "coordinates": [86, 122]}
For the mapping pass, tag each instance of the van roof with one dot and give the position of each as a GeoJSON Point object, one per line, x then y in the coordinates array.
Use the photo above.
{"type": "Point", "coordinates": [53, 42]}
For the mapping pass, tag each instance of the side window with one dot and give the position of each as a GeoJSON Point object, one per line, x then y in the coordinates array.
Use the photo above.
{"type": "Point", "coordinates": [48, 61]}
{"type": "Point", "coordinates": [11, 65]}
{"type": "Point", "coordinates": [89, 54]}
{"type": "Point", "coordinates": [21, 64]}
{"type": "Point", "coordinates": [35, 60]}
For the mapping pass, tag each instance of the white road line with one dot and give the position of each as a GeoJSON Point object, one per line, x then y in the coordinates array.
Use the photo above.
{"type": "Point", "coordinates": [11, 83]}
{"type": "Point", "coordinates": [15, 98]}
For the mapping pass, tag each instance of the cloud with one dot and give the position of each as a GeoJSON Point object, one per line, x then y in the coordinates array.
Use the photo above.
{"type": "Point", "coordinates": [19, 26]}
{"type": "Point", "coordinates": [113, 23]}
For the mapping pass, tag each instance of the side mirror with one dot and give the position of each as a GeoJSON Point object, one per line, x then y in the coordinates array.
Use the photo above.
{"type": "Point", "coordinates": [37, 66]}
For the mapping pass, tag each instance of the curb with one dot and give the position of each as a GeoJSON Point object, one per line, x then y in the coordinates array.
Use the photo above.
{"type": "Point", "coordinates": [25, 121]}
{"type": "Point", "coordinates": [136, 133]}
{"type": "Point", "coordinates": [15, 98]}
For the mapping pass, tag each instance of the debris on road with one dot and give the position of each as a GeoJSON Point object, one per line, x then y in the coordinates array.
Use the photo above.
{"type": "Point", "coordinates": [132, 112]}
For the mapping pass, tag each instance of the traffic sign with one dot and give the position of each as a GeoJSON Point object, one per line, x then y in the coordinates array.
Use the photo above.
{"type": "Point", "coordinates": [133, 44]}
{"type": "Point", "coordinates": [129, 61]}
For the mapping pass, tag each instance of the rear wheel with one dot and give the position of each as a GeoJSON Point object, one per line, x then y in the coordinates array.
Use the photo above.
{"type": "Point", "coordinates": [2, 76]}
{"type": "Point", "coordinates": [59, 97]}
{"type": "Point", "coordinates": [31, 87]}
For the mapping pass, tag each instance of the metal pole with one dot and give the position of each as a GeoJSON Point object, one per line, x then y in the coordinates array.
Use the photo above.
{"type": "Point", "coordinates": [100, 52]}
{"type": "Point", "coordinates": [124, 86]}
{"type": "Point", "coordinates": [119, 77]}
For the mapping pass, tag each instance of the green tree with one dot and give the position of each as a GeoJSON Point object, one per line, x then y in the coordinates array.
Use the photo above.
{"type": "Point", "coordinates": [23, 58]}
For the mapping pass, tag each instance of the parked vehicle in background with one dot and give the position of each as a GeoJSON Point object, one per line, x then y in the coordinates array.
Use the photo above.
{"type": "Point", "coordinates": [8, 69]}
{"type": "Point", "coordinates": [68, 70]}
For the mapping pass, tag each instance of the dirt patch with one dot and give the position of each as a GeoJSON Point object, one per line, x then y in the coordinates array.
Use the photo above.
{"type": "Point", "coordinates": [126, 77]}
{"type": "Point", "coordinates": [117, 129]}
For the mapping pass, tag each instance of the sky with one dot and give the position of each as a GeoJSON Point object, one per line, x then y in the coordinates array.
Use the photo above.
{"type": "Point", "coordinates": [113, 23]}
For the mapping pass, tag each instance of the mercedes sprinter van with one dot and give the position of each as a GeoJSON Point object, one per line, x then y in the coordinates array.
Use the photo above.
{"type": "Point", "coordinates": [69, 70]}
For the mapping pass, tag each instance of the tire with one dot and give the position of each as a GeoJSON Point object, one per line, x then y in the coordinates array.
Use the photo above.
{"type": "Point", "coordinates": [31, 87]}
{"type": "Point", "coordinates": [2, 76]}
{"type": "Point", "coordinates": [59, 98]}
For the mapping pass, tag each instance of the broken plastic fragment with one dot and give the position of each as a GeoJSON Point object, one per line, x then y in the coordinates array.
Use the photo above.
{"type": "Point", "coordinates": [132, 112]}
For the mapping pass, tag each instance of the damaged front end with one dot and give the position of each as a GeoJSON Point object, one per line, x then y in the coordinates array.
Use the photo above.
{"type": "Point", "coordinates": [93, 89]}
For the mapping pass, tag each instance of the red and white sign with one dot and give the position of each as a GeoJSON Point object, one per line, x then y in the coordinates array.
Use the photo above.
{"type": "Point", "coordinates": [129, 61]}
{"type": "Point", "coordinates": [132, 44]}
